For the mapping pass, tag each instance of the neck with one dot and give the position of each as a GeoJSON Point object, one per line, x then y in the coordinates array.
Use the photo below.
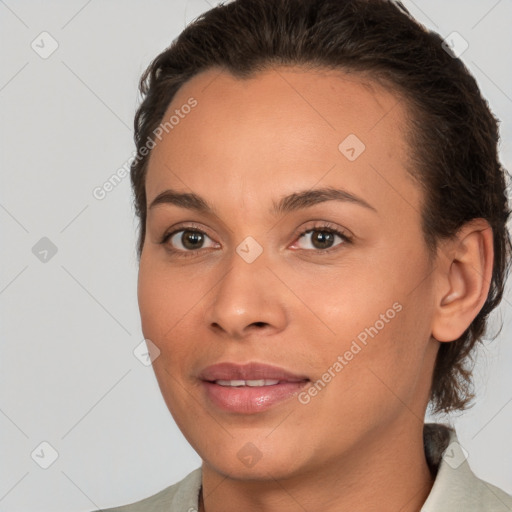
{"type": "Point", "coordinates": [385, 472]}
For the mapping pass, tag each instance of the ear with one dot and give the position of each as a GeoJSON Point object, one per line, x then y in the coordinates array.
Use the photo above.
{"type": "Point", "coordinates": [464, 271]}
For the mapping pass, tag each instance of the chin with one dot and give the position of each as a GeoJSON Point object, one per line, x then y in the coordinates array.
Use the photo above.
{"type": "Point", "coordinates": [269, 467]}
{"type": "Point", "coordinates": [255, 457]}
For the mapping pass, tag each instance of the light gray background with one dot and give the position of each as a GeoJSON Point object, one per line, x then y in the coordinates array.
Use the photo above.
{"type": "Point", "coordinates": [69, 325]}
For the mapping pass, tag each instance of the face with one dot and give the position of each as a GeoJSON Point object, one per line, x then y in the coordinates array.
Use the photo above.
{"type": "Point", "coordinates": [292, 322]}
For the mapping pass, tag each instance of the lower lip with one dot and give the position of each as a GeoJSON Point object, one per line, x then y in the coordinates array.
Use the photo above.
{"type": "Point", "coordinates": [249, 399]}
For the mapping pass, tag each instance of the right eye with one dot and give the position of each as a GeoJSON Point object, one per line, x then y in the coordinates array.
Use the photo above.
{"type": "Point", "coordinates": [191, 240]}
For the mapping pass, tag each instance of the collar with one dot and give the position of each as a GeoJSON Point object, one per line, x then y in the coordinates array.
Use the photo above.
{"type": "Point", "coordinates": [456, 487]}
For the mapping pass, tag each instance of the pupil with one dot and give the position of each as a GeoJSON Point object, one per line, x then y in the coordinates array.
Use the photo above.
{"type": "Point", "coordinates": [324, 238]}
{"type": "Point", "coordinates": [191, 236]}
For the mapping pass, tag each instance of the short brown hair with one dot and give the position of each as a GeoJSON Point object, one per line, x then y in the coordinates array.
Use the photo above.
{"type": "Point", "coordinates": [453, 138]}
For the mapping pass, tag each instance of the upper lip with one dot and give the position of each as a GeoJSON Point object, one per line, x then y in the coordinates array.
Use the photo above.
{"type": "Point", "coordinates": [248, 371]}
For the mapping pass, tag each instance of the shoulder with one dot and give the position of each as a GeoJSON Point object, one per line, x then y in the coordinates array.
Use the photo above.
{"type": "Point", "coordinates": [457, 488]}
{"type": "Point", "coordinates": [181, 496]}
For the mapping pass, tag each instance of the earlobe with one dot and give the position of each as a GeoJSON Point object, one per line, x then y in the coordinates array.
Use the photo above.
{"type": "Point", "coordinates": [464, 280]}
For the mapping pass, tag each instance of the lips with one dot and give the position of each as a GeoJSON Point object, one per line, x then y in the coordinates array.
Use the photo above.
{"type": "Point", "coordinates": [249, 371]}
{"type": "Point", "coordinates": [249, 388]}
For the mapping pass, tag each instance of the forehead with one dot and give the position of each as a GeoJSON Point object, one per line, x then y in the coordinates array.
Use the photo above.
{"type": "Point", "coordinates": [286, 127]}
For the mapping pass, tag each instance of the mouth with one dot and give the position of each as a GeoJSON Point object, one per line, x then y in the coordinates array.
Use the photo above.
{"type": "Point", "coordinates": [250, 383]}
{"type": "Point", "coordinates": [249, 388]}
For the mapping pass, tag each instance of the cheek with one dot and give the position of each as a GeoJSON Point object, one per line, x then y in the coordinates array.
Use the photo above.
{"type": "Point", "coordinates": [149, 296]}
{"type": "Point", "coordinates": [375, 379]}
{"type": "Point", "coordinates": [170, 309]}
{"type": "Point", "coordinates": [378, 322]}
{"type": "Point", "coordinates": [356, 301]}
{"type": "Point", "coordinates": [161, 306]}
{"type": "Point", "coordinates": [389, 369]}
{"type": "Point", "coordinates": [164, 296]}
{"type": "Point", "coordinates": [157, 298]}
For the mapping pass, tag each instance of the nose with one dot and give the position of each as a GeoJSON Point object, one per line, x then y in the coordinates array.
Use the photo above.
{"type": "Point", "coordinates": [248, 300]}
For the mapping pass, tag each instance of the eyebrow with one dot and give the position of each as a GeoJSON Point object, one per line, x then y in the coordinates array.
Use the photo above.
{"type": "Point", "coordinates": [296, 201]}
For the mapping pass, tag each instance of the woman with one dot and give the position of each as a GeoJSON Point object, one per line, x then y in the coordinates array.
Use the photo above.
{"type": "Point", "coordinates": [322, 238]}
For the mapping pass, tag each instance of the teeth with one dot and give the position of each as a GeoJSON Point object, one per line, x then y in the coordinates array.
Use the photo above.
{"type": "Point", "coordinates": [250, 383]}
{"type": "Point", "coordinates": [230, 382]}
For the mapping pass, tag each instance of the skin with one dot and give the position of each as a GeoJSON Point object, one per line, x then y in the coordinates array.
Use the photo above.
{"type": "Point", "coordinates": [357, 445]}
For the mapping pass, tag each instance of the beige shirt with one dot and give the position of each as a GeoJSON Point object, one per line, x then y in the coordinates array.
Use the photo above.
{"type": "Point", "coordinates": [455, 489]}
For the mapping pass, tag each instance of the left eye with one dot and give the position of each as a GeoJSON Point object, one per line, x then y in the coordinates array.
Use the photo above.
{"type": "Point", "coordinates": [322, 238]}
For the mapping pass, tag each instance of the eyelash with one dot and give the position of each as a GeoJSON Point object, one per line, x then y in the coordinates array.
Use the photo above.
{"type": "Point", "coordinates": [325, 227]}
